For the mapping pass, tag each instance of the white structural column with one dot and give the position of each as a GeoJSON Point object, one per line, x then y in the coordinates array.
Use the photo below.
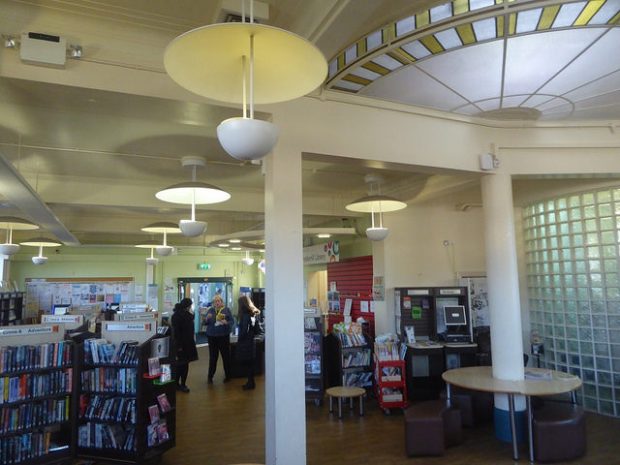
{"type": "Point", "coordinates": [384, 320]}
{"type": "Point", "coordinates": [285, 409]}
{"type": "Point", "coordinates": [502, 277]}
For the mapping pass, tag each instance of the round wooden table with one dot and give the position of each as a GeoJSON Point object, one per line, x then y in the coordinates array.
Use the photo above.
{"type": "Point", "coordinates": [543, 382]}
{"type": "Point", "coordinates": [345, 392]}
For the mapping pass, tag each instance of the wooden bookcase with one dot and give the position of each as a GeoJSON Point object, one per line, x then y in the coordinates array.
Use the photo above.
{"type": "Point", "coordinates": [37, 402]}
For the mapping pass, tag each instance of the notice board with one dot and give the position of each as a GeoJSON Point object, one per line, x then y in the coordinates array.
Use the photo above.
{"type": "Point", "coordinates": [43, 293]}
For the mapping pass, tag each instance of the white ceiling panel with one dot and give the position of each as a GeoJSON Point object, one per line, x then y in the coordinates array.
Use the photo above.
{"type": "Point", "coordinates": [568, 14]}
{"type": "Point", "coordinates": [528, 20]}
{"type": "Point", "coordinates": [592, 64]}
{"type": "Point", "coordinates": [604, 85]}
{"type": "Point", "coordinates": [609, 112]}
{"type": "Point", "coordinates": [513, 101]}
{"type": "Point", "coordinates": [553, 103]}
{"type": "Point", "coordinates": [490, 104]}
{"type": "Point", "coordinates": [599, 100]}
{"type": "Point", "coordinates": [527, 71]}
{"type": "Point", "coordinates": [607, 11]}
{"type": "Point", "coordinates": [467, 110]}
{"type": "Point", "coordinates": [412, 86]}
{"type": "Point", "coordinates": [561, 112]}
{"type": "Point", "coordinates": [535, 100]}
{"type": "Point", "coordinates": [474, 72]}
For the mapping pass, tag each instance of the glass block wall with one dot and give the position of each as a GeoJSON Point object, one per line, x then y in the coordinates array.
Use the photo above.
{"type": "Point", "coordinates": [573, 273]}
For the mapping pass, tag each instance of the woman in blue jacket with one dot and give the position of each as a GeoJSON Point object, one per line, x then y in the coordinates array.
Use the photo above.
{"type": "Point", "coordinates": [219, 322]}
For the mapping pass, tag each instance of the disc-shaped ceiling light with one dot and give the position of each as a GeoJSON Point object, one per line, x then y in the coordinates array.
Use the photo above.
{"type": "Point", "coordinates": [40, 242]}
{"type": "Point", "coordinates": [163, 228]}
{"type": "Point", "coordinates": [192, 193]}
{"type": "Point", "coordinates": [247, 259]}
{"type": "Point", "coordinates": [245, 63]}
{"type": "Point", "coordinates": [376, 205]}
{"type": "Point", "coordinates": [152, 245]}
{"type": "Point", "coordinates": [10, 224]}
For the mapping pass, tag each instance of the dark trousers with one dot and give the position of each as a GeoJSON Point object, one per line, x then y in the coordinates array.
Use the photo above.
{"type": "Point", "coordinates": [219, 344]}
{"type": "Point", "coordinates": [181, 371]}
{"type": "Point", "coordinates": [249, 369]}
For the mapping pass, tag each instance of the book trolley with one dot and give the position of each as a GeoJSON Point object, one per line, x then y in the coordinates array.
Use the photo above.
{"type": "Point", "coordinates": [390, 378]}
{"type": "Point", "coordinates": [37, 402]}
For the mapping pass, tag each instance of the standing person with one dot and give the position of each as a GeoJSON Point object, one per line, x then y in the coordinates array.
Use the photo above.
{"type": "Point", "coordinates": [183, 341]}
{"type": "Point", "coordinates": [246, 347]}
{"type": "Point", "coordinates": [219, 325]}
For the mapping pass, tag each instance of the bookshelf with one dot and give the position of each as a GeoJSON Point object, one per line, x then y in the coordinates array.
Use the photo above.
{"type": "Point", "coordinates": [11, 308]}
{"type": "Point", "coordinates": [390, 379]}
{"type": "Point", "coordinates": [350, 360]}
{"type": "Point", "coordinates": [313, 363]}
{"type": "Point", "coordinates": [37, 402]}
{"type": "Point", "coordinates": [116, 419]}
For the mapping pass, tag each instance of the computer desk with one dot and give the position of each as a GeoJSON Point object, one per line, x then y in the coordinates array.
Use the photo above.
{"type": "Point", "coordinates": [481, 379]}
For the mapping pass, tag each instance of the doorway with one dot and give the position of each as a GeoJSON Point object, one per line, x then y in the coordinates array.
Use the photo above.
{"type": "Point", "coordinates": [202, 291]}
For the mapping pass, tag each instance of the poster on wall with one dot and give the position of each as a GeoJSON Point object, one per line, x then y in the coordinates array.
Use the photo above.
{"type": "Point", "coordinates": [378, 288]}
{"type": "Point", "coordinates": [328, 252]}
{"type": "Point", "coordinates": [170, 295]}
{"type": "Point", "coordinates": [478, 299]}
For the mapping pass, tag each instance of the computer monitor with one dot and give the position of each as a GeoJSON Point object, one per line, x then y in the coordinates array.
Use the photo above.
{"type": "Point", "coordinates": [455, 315]}
{"type": "Point", "coordinates": [61, 309]}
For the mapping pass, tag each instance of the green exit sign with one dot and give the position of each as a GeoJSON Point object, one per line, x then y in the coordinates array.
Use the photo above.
{"type": "Point", "coordinates": [204, 266]}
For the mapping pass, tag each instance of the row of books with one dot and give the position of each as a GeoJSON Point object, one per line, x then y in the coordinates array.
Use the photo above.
{"type": "Point", "coordinates": [310, 323]}
{"type": "Point", "coordinates": [104, 436]}
{"type": "Point", "coordinates": [391, 395]}
{"type": "Point", "coordinates": [33, 414]}
{"type": "Point", "coordinates": [32, 385]}
{"type": "Point", "coordinates": [312, 343]}
{"type": "Point", "coordinates": [107, 379]}
{"type": "Point", "coordinates": [156, 433]}
{"type": "Point", "coordinates": [32, 357]}
{"type": "Point", "coordinates": [351, 340]}
{"type": "Point", "coordinates": [18, 449]}
{"type": "Point", "coordinates": [391, 374]}
{"type": "Point", "coordinates": [120, 409]}
{"type": "Point", "coordinates": [388, 351]}
{"type": "Point", "coordinates": [358, 378]}
{"type": "Point", "coordinates": [101, 351]}
{"type": "Point", "coordinates": [356, 359]}
{"type": "Point", "coordinates": [312, 364]}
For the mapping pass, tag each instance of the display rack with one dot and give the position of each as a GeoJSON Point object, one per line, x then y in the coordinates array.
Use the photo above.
{"type": "Point", "coordinates": [313, 364]}
{"type": "Point", "coordinates": [11, 308]}
{"type": "Point", "coordinates": [115, 423]}
{"type": "Point", "coordinates": [37, 402]}
{"type": "Point", "coordinates": [390, 384]}
{"type": "Point", "coordinates": [351, 360]}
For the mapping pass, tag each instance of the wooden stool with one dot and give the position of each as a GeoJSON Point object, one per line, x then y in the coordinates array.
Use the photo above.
{"type": "Point", "coordinates": [345, 391]}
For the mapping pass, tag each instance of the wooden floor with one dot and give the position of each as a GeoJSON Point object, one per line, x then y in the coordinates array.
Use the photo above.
{"type": "Point", "coordinates": [220, 424]}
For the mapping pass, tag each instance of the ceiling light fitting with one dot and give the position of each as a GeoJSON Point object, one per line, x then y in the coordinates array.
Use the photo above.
{"type": "Point", "coordinates": [245, 63]}
{"type": "Point", "coordinates": [152, 245]}
{"type": "Point", "coordinates": [193, 193]}
{"type": "Point", "coordinates": [11, 223]}
{"type": "Point", "coordinates": [163, 228]}
{"type": "Point", "coordinates": [40, 242]}
{"type": "Point", "coordinates": [376, 204]}
{"type": "Point", "coordinates": [249, 261]}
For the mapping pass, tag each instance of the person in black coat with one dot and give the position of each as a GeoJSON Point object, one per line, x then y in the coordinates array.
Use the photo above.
{"type": "Point", "coordinates": [246, 347]}
{"type": "Point", "coordinates": [183, 341]}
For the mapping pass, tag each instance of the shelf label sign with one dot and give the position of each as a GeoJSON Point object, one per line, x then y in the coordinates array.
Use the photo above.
{"type": "Point", "coordinates": [28, 330]}
{"type": "Point", "coordinates": [129, 326]}
{"type": "Point", "coordinates": [449, 291]}
{"type": "Point", "coordinates": [417, 292]}
{"type": "Point", "coordinates": [137, 316]}
{"type": "Point", "coordinates": [77, 319]}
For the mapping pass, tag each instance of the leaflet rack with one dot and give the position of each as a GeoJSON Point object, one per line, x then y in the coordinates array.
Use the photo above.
{"type": "Point", "coordinates": [313, 359]}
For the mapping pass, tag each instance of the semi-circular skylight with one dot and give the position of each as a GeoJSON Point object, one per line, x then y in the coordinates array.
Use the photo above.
{"type": "Point", "coordinates": [500, 59]}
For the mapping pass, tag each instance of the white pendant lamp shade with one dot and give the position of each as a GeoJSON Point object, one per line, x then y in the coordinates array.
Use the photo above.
{"type": "Point", "coordinates": [376, 203]}
{"type": "Point", "coordinates": [249, 261]}
{"type": "Point", "coordinates": [377, 234]}
{"type": "Point", "coordinates": [10, 224]}
{"type": "Point", "coordinates": [247, 139]}
{"type": "Point", "coordinates": [163, 228]}
{"type": "Point", "coordinates": [208, 61]}
{"type": "Point", "coordinates": [191, 228]}
{"type": "Point", "coordinates": [149, 245]}
{"type": "Point", "coordinates": [40, 242]}
{"type": "Point", "coordinates": [200, 193]}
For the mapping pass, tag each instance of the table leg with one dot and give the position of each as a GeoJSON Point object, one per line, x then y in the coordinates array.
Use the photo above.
{"type": "Point", "coordinates": [340, 407]}
{"type": "Point", "coordinates": [448, 395]}
{"type": "Point", "coordinates": [573, 397]}
{"type": "Point", "coordinates": [351, 403]}
{"type": "Point", "coordinates": [530, 427]}
{"type": "Point", "coordinates": [513, 426]}
{"type": "Point", "coordinates": [331, 404]}
{"type": "Point", "coordinates": [361, 406]}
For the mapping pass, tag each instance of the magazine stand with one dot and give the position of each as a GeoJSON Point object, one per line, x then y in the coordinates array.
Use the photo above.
{"type": "Point", "coordinates": [313, 363]}
{"type": "Point", "coordinates": [37, 385]}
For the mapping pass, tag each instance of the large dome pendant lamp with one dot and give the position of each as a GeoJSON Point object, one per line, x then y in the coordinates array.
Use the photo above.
{"type": "Point", "coordinates": [11, 223]}
{"type": "Point", "coordinates": [192, 193]}
{"type": "Point", "coordinates": [376, 204]}
{"type": "Point", "coordinates": [40, 242]}
{"type": "Point", "coordinates": [247, 63]}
